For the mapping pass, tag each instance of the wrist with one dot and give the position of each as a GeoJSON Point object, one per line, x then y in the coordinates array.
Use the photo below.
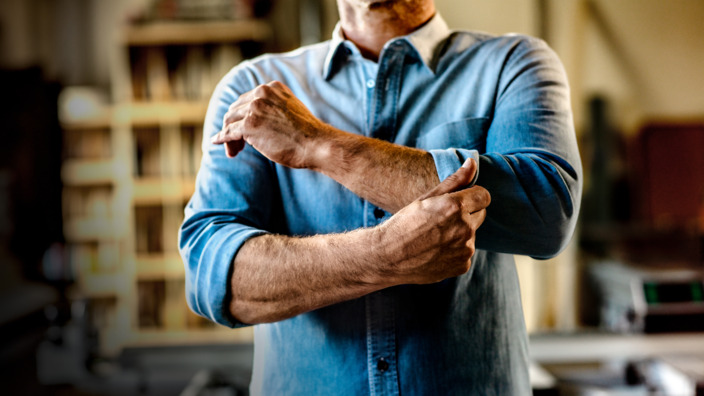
{"type": "Point", "coordinates": [382, 256]}
{"type": "Point", "coordinates": [320, 150]}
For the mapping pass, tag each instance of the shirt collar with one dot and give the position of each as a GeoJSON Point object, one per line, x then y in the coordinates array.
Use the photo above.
{"type": "Point", "coordinates": [425, 41]}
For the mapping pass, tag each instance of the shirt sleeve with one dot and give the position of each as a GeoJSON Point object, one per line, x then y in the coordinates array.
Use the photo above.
{"type": "Point", "coordinates": [231, 204]}
{"type": "Point", "coordinates": [531, 164]}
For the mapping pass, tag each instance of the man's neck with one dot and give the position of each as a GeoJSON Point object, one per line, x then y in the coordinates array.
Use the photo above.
{"type": "Point", "coordinates": [369, 25]}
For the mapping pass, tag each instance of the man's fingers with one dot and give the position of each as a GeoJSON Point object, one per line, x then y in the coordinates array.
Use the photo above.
{"type": "Point", "coordinates": [472, 199]}
{"type": "Point", "coordinates": [475, 220]}
{"type": "Point", "coordinates": [461, 178]}
{"type": "Point", "coordinates": [234, 147]}
{"type": "Point", "coordinates": [236, 112]}
{"type": "Point", "coordinates": [227, 134]}
{"type": "Point", "coordinates": [219, 138]}
{"type": "Point", "coordinates": [478, 217]}
{"type": "Point", "coordinates": [231, 138]}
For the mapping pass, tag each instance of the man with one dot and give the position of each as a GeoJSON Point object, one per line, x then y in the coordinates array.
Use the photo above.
{"type": "Point", "coordinates": [324, 220]}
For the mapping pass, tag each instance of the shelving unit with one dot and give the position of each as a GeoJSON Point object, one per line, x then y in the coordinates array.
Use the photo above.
{"type": "Point", "coordinates": [130, 170]}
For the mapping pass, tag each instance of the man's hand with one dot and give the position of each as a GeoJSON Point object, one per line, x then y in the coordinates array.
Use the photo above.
{"type": "Point", "coordinates": [432, 238]}
{"type": "Point", "coordinates": [273, 121]}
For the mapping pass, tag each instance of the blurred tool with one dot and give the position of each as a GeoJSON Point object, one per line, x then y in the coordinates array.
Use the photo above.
{"type": "Point", "coordinates": [650, 299]}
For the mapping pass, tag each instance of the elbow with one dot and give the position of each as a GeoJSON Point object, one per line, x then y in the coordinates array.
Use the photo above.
{"type": "Point", "coordinates": [246, 313]}
{"type": "Point", "coordinates": [527, 234]}
{"type": "Point", "coordinates": [558, 222]}
{"type": "Point", "coordinates": [554, 237]}
{"type": "Point", "coordinates": [250, 312]}
{"type": "Point", "coordinates": [551, 244]}
{"type": "Point", "coordinates": [243, 312]}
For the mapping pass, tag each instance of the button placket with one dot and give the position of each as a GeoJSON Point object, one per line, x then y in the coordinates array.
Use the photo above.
{"type": "Point", "coordinates": [368, 72]}
{"type": "Point", "coordinates": [381, 343]}
{"type": "Point", "coordinates": [388, 89]}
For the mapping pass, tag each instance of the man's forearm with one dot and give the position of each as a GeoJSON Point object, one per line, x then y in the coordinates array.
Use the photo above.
{"type": "Point", "coordinates": [276, 277]}
{"type": "Point", "coordinates": [386, 174]}
{"type": "Point", "coordinates": [273, 121]}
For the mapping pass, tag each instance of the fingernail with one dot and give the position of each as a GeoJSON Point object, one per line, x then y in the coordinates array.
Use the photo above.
{"type": "Point", "coordinates": [214, 138]}
{"type": "Point", "coordinates": [467, 162]}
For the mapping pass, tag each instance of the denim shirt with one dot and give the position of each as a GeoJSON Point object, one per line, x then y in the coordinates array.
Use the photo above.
{"type": "Point", "coordinates": [502, 100]}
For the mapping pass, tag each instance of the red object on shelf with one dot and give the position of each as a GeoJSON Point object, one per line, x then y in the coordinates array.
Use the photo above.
{"type": "Point", "coordinates": [668, 165]}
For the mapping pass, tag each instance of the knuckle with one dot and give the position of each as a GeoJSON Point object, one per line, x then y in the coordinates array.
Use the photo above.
{"type": "Point", "coordinates": [449, 206]}
{"type": "Point", "coordinates": [251, 121]}
{"type": "Point", "coordinates": [262, 91]}
{"type": "Point", "coordinates": [471, 249]}
{"type": "Point", "coordinates": [417, 206]}
{"type": "Point", "coordinates": [257, 104]}
{"type": "Point", "coordinates": [228, 117]}
{"type": "Point", "coordinates": [470, 231]}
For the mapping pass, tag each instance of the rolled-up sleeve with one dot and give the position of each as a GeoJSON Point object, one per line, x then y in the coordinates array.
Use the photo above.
{"type": "Point", "coordinates": [531, 164]}
{"type": "Point", "coordinates": [231, 204]}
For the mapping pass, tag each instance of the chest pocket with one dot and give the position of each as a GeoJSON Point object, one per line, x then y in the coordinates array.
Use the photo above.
{"type": "Point", "coordinates": [468, 133]}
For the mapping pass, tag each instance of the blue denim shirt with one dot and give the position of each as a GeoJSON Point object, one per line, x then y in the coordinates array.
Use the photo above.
{"type": "Point", "coordinates": [502, 100]}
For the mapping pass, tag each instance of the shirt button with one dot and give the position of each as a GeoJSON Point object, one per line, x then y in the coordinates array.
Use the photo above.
{"type": "Point", "coordinates": [378, 213]}
{"type": "Point", "coordinates": [371, 83]}
{"type": "Point", "coordinates": [382, 365]}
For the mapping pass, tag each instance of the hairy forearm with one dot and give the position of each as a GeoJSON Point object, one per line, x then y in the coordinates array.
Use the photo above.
{"type": "Point", "coordinates": [273, 121]}
{"type": "Point", "coordinates": [276, 277]}
{"type": "Point", "coordinates": [388, 175]}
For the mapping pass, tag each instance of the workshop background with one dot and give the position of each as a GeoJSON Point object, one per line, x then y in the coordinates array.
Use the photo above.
{"type": "Point", "coordinates": [102, 105]}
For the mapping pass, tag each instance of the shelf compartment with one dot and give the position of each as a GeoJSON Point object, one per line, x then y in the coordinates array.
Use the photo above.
{"type": "Point", "coordinates": [152, 191]}
{"type": "Point", "coordinates": [158, 266]}
{"type": "Point", "coordinates": [144, 114]}
{"type": "Point", "coordinates": [101, 120]}
{"type": "Point", "coordinates": [107, 285]}
{"type": "Point", "coordinates": [91, 229]}
{"type": "Point", "coordinates": [77, 172]}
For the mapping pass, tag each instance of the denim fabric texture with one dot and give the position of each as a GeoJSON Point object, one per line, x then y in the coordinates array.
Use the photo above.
{"type": "Point", "coordinates": [502, 100]}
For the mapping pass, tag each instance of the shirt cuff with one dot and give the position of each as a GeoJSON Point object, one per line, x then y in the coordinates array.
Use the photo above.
{"type": "Point", "coordinates": [448, 161]}
{"type": "Point", "coordinates": [211, 283]}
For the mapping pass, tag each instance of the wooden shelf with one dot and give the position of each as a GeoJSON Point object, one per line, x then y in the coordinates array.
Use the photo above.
{"type": "Point", "coordinates": [180, 33]}
{"type": "Point", "coordinates": [103, 285]}
{"type": "Point", "coordinates": [151, 113]}
{"type": "Point", "coordinates": [91, 229]}
{"type": "Point", "coordinates": [80, 172]}
{"type": "Point", "coordinates": [158, 113]}
{"type": "Point", "coordinates": [150, 191]}
{"type": "Point", "coordinates": [159, 266]}
{"type": "Point", "coordinates": [167, 71]}
{"type": "Point", "coordinates": [102, 120]}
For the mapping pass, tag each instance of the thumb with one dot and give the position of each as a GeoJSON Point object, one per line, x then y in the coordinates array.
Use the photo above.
{"type": "Point", "coordinates": [461, 178]}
